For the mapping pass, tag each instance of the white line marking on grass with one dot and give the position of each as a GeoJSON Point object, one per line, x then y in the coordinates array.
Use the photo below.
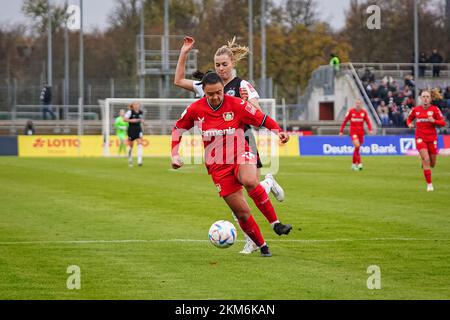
{"type": "Point", "coordinates": [205, 241]}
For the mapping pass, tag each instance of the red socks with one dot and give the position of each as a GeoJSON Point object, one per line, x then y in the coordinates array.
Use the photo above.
{"type": "Point", "coordinates": [427, 174]}
{"type": "Point", "coordinates": [356, 156]}
{"type": "Point", "coordinates": [262, 201]}
{"type": "Point", "coordinates": [251, 228]}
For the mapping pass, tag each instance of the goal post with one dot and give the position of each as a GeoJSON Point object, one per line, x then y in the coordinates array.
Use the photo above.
{"type": "Point", "coordinates": [160, 114]}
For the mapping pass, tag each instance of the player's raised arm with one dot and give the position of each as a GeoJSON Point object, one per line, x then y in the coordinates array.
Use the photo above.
{"type": "Point", "coordinates": [180, 77]}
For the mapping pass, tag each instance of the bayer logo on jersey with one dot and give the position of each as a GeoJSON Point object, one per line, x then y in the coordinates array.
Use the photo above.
{"type": "Point", "coordinates": [222, 234]}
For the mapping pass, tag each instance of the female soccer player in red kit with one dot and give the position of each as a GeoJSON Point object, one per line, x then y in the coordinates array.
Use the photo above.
{"type": "Point", "coordinates": [228, 157]}
{"type": "Point", "coordinates": [357, 116]}
{"type": "Point", "coordinates": [427, 118]}
{"type": "Point", "coordinates": [226, 60]}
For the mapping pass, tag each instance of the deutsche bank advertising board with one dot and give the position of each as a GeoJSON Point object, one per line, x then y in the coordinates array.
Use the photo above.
{"type": "Point", "coordinates": [372, 146]}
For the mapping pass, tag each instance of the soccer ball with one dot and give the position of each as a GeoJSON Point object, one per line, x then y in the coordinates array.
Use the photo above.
{"type": "Point", "coordinates": [222, 234]}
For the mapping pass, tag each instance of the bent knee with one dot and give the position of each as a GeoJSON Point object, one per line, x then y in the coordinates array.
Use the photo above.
{"type": "Point", "coordinates": [250, 183]}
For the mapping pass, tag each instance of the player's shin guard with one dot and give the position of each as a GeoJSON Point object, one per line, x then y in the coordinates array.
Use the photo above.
{"type": "Point", "coordinates": [251, 228]}
{"type": "Point", "coordinates": [262, 201]}
{"type": "Point", "coordinates": [427, 174]}
{"type": "Point", "coordinates": [139, 153]}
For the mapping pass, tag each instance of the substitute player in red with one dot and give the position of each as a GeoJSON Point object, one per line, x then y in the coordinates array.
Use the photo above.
{"type": "Point", "coordinates": [229, 159]}
{"type": "Point", "coordinates": [427, 118]}
{"type": "Point", "coordinates": [357, 117]}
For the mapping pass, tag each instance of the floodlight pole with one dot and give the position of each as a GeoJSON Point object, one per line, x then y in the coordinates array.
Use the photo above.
{"type": "Point", "coordinates": [250, 40]}
{"type": "Point", "coordinates": [263, 49]}
{"type": "Point", "coordinates": [166, 49]}
{"type": "Point", "coordinates": [49, 46]}
{"type": "Point", "coordinates": [81, 75]}
{"type": "Point", "coordinates": [416, 50]}
{"type": "Point", "coordinates": [142, 53]}
{"type": "Point", "coordinates": [66, 70]}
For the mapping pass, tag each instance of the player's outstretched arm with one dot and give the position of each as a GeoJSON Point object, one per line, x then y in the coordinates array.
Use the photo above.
{"type": "Point", "coordinates": [180, 77]}
{"type": "Point", "coordinates": [256, 118]}
{"type": "Point", "coordinates": [177, 162]}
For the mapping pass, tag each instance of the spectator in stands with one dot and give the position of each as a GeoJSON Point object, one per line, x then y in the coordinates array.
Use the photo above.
{"type": "Point", "coordinates": [368, 77]}
{"type": "Point", "coordinates": [436, 58]}
{"type": "Point", "coordinates": [404, 109]}
{"type": "Point", "coordinates": [46, 101]}
{"type": "Point", "coordinates": [29, 129]}
{"type": "Point", "coordinates": [389, 98]}
{"type": "Point", "coordinates": [382, 91]}
{"type": "Point", "coordinates": [393, 86]}
{"type": "Point", "coordinates": [422, 67]}
{"type": "Point", "coordinates": [447, 97]}
{"type": "Point", "coordinates": [396, 115]}
{"type": "Point", "coordinates": [407, 92]}
{"type": "Point", "coordinates": [383, 113]}
{"type": "Point", "coordinates": [409, 81]}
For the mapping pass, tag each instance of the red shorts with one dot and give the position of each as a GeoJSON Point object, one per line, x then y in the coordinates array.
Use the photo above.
{"type": "Point", "coordinates": [226, 177]}
{"type": "Point", "coordinates": [357, 136]}
{"type": "Point", "coordinates": [431, 146]}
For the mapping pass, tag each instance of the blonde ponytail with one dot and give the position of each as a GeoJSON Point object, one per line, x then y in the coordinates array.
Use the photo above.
{"type": "Point", "coordinates": [233, 50]}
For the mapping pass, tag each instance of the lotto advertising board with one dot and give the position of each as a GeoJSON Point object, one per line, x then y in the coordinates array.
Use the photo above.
{"type": "Point", "coordinates": [156, 146]}
{"type": "Point", "coordinates": [85, 146]}
{"type": "Point", "coordinates": [373, 145]}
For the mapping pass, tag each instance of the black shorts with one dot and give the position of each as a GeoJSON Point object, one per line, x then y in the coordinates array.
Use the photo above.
{"type": "Point", "coordinates": [250, 138]}
{"type": "Point", "coordinates": [134, 133]}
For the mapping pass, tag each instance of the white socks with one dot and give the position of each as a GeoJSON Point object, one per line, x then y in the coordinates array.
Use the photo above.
{"type": "Point", "coordinates": [267, 184]}
{"type": "Point", "coordinates": [139, 153]}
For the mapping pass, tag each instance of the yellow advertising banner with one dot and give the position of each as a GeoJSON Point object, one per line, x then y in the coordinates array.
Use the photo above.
{"type": "Point", "coordinates": [153, 146]}
{"type": "Point", "coordinates": [60, 146]}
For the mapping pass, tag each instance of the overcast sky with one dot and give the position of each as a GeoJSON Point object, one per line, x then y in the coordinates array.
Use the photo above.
{"type": "Point", "coordinates": [96, 12]}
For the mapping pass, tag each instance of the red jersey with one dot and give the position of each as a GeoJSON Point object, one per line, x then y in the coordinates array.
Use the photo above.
{"type": "Point", "coordinates": [425, 129]}
{"type": "Point", "coordinates": [223, 129]}
{"type": "Point", "coordinates": [357, 119]}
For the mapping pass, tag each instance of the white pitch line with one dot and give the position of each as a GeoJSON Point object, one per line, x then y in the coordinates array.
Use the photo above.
{"type": "Point", "coordinates": [205, 241]}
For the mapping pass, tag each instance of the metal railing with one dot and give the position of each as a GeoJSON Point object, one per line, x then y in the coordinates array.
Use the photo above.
{"type": "Point", "coordinates": [61, 112]}
{"type": "Point", "coordinates": [400, 70]}
{"type": "Point", "coordinates": [363, 93]}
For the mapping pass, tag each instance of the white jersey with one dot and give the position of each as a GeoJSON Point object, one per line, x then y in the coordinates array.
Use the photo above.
{"type": "Point", "coordinates": [231, 89]}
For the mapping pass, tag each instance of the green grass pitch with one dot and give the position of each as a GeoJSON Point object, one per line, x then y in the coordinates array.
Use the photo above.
{"type": "Point", "coordinates": [60, 212]}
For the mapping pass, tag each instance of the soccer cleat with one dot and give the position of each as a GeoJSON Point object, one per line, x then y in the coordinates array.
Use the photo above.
{"type": "Point", "coordinates": [140, 164]}
{"type": "Point", "coordinates": [430, 187]}
{"type": "Point", "coordinates": [130, 162]}
{"type": "Point", "coordinates": [249, 247]}
{"type": "Point", "coordinates": [354, 167]}
{"type": "Point", "coordinates": [265, 251]}
{"type": "Point", "coordinates": [280, 228]}
{"type": "Point", "coordinates": [276, 189]}
{"type": "Point", "coordinates": [360, 166]}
